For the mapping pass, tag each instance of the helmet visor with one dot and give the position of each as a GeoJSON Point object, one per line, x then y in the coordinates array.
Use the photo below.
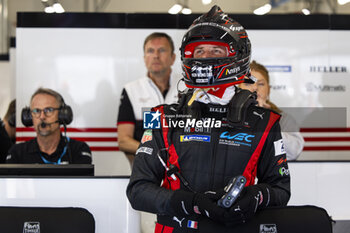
{"type": "Point", "coordinates": [190, 48]}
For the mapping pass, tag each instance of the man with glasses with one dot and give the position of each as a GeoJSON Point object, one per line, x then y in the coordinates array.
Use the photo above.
{"type": "Point", "coordinates": [47, 112]}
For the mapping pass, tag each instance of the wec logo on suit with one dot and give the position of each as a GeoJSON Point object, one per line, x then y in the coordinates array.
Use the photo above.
{"type": "Point", "coordinates": [239, 136]}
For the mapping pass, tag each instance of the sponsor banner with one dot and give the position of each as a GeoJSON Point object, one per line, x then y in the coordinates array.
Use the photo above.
{"type": "Point", "coordinates": [312, 87]}
{"type": "Point", "coordinates": [276, 68]}
{"type": "Point", "coordinates": [278, 87]}
{"type": "Point", "coordinates": [328, 69]}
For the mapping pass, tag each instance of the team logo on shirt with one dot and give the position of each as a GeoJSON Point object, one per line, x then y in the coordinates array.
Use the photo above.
{"type": "Point", "coordinates": [31, 227]}
{"type": "Point", "coordinates": [151, 120]}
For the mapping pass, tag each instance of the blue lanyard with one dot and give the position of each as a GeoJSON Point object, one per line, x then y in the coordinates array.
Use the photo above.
{"type": "Point", "coordinates": [59, 160]}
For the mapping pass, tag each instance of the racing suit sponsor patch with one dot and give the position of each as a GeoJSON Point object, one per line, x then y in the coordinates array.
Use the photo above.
{"type": "Point", "coordinates": [147, 136]}
{"type": "Point", "coordinates": [144, 149]}
{"type": "Point", "coordinates": [282, 160]}
{"type": "Point", "coordinates": [236, 139]}
{"type": "Point", "coordinates": [194, 137]}
{"type": "Point", "coordinates": [283, 171]}
{"type": "Point", "coordinates": [279, 147]}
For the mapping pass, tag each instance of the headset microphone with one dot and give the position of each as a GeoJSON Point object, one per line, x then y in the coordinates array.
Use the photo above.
{"type": "Point", "coordinates": [44, 124]}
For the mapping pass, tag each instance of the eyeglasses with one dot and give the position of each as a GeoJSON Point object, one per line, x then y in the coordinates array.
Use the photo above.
{"type": "Point", "coordinates": [36, 112]}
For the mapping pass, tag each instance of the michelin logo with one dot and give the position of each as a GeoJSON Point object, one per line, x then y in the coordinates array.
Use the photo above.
{"type": "Point", "coordinates": [198, 138]}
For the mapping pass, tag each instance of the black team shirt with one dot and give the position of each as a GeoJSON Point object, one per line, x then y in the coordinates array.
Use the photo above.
{"type": "Point", "coordinates": [29, 152]}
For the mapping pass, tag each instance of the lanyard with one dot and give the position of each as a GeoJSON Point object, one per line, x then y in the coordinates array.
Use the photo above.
{"type": "Point", "coordinates": [59, 160]}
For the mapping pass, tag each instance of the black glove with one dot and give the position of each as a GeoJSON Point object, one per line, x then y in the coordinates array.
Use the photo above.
{"type": "Point", "coordinates": [251, 199]}
{"type": "Point", "coordinates": [185, 203]}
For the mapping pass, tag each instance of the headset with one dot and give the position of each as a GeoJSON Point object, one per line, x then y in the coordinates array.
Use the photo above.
{"type": "Point", "coordinates": [65, 113]}
{"type": "Point", "coordinates": [65, 117]}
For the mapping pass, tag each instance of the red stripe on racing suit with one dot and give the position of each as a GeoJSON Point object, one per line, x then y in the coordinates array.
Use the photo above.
{"type": "Point", "coordinates": [169, 182]}
{"type": "Point", "coordinates": [163, 229]}
{"type": "Point", "coordinates": [251, 168]}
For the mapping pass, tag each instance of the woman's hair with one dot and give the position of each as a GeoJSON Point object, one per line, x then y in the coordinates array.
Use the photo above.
{"type": "Point", "coordinates": [262, 69]}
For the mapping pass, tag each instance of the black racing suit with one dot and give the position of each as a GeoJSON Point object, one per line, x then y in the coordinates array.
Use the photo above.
{"type": "Point", "coordinates": [208, 158]}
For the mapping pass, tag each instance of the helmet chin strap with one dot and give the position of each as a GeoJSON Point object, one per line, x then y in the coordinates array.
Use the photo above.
{"type": "Point", "coordinates": [197, 91]}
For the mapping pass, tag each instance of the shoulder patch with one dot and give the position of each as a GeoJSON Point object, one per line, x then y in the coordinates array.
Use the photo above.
{"type": "Point", "coordinates": [147, 136]}
{"type": "Point", "coordinates": [144, 149]}
{"type": "Point", "coordinates": [279, 147]}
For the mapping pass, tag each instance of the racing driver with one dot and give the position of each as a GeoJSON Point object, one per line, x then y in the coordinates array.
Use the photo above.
{"type": "Point", "coordinates": [180, 170]}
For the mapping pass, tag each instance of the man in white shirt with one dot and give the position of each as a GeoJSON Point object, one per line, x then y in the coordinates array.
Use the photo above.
{"type": "Point", "coordinates": [158, 87]}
